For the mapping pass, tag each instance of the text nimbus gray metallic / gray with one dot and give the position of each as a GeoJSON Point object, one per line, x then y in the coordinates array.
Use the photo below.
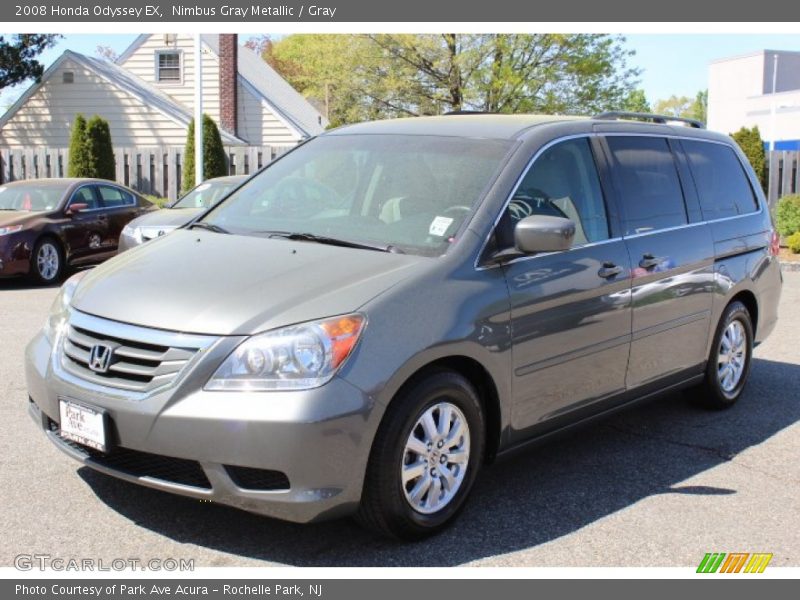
{"type": "Point", "coordinates": [253, 11]}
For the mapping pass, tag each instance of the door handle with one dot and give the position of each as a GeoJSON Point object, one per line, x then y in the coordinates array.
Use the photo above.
{"type": "Point", "coordinates": [649, 261]}
{"type": "Point", "coordinates": [608, 270]}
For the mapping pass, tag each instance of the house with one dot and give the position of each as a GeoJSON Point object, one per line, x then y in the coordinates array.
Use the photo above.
{"type": "Point", "coordinates": [761, 88]}
{"type": "Point", "coordinates": [147, 96]}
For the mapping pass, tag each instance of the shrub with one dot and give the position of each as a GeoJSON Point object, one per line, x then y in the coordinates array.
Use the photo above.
{"type": "Point", "coordinates": [793, 241]}
{"type": "Point", "coordinates": [752, 145]}
{"type": "Point", "coordinates": [215, 163]}
{"type": "Point", "coordinates": [78, 165]}
{"type": "Point", "coordinates": [157, 200]}
{"type": "Point", "coordinates": [99, 149]}
{"type": "Point", "coordinates": [787, 215]}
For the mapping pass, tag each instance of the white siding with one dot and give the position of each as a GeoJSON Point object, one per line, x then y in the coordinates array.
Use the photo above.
{"type": "Point", "coordinates": [739, 95]}
{"type": "Point", "coordinates": [257, 124]}
{"type": "Point", "coordinates": [47, 116]}
{"type": "Point", "coordinates": [142, 63]}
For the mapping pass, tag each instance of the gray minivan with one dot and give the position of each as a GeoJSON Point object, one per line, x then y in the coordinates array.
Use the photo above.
{"type": "Point", "coordinates": [388, 307]}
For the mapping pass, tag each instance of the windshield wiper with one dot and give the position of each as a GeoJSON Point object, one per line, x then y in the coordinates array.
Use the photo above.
{"type": "Point", "coordinates": [208, 226]}
{"type": "Point", "coordinates": [331, 241]}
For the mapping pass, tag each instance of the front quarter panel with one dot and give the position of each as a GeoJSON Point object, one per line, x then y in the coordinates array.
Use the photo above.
{"type": "Point", "coordinates": [447, 311]}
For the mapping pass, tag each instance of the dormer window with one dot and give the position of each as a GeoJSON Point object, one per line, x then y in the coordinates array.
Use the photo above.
{"type": "Point", "coordinates": [168, 66]}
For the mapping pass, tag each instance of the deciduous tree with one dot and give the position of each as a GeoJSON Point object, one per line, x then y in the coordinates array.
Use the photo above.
{"type": "Point", "coordinates": [392, 75]}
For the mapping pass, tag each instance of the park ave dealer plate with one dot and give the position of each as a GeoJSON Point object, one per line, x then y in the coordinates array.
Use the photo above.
{"type": "Point", "coordinates": [82, 424]}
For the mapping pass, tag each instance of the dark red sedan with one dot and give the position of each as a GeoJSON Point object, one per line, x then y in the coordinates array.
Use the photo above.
{"type": "Point", "coordinates": [47, 225]}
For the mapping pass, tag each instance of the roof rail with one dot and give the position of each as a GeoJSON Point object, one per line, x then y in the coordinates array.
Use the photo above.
{"type": "Point", "coordinates": [615, 115]}
{"type": "Point", "coordinates": [467, 112]}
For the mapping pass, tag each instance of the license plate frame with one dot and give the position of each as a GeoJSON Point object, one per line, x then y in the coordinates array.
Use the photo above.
{"type": "Point", "coordinates": [83, 424]}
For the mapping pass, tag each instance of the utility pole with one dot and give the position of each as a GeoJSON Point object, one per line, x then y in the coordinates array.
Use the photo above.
{"type": "Point", "coordinates": [773, 133]}
{"type": "Point", "coordinates": [198, 110]}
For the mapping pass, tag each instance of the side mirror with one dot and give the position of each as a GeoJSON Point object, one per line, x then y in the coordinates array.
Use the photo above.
{"type": "Point", "coordinates": [543, 233]}
{"type": "Point", "coordinates": [76, 207]}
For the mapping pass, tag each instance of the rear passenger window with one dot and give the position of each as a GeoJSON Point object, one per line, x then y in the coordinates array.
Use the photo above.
{"type": "Point", "coordinates": [721, 181]}
{"type": "Point", "coordinates": [563, 182]}
{"type": "Point", "coordinates": [647, 180]}
{"type": "Point", "coordinates": [115, 197]}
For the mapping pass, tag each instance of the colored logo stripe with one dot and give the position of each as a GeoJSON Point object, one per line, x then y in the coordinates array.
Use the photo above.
{"type": "Point", "coordinates": [711, 562]}
{"type": "Point", "coordinates": [758, 563]}
{"type": "Point", "coordinates": [734, 563]}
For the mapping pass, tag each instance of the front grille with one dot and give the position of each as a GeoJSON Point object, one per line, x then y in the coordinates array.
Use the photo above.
{"type": "Point", "coordinates": [257, 479]}
{"type": "Point", "coordinates": [136, 365]}
{"type": "Point", "coordinates": [143, 464]}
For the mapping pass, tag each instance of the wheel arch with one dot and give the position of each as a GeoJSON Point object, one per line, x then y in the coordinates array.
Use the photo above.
{"type": "Point", "coordinates": [481, 379]}
{"type": "Point", "coordinates": [748, 298]}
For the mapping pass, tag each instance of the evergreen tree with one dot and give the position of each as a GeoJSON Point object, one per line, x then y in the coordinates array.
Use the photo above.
{"type": "Point", "coordinates": [78, 165]}
{"type": "Point", "coordinates": [215, 163]}
{"type": "Point", "coordinates": [99, 148]}
{"type": "Point", "coordinates": [752, 145]}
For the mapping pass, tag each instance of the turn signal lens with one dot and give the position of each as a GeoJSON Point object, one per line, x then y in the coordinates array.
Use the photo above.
{"type": "Point", "coordinates": [343, 334]}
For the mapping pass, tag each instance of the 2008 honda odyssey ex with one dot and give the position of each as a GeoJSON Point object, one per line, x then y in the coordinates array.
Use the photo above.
{"type": "Point", "coordinates": [391, 305]}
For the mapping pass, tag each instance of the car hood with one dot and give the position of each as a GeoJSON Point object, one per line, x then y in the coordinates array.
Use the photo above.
{"type": "Point", "coordinates": [15, 217]}
{"type": "Point", "coordinates": [196, 281]}
{"type": "Point", "coordinates": [168, 217]}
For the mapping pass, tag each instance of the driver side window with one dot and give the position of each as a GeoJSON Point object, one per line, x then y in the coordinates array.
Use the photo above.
{"type": "Point", "coordinates": [563, 182]}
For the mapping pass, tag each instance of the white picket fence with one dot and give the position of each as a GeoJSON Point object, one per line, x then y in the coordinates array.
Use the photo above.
{"type": "Point", "coordinates": [151, 170]}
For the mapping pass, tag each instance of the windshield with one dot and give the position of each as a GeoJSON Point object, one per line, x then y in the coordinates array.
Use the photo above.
{"type": "Point", "coordinates": [206, 194]}
{"type": "Point", "coordinates": [31, 197]}
{"type": "Point", "coordinates": [406, 192]}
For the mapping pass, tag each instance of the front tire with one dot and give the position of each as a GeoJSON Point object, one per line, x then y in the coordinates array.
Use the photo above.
{"type": "Point", "coordinates": [47, 262]}
{"type": "Point", "coordinates": [425, 458]}
{"type": "Point", "coordinates": [729, 361]}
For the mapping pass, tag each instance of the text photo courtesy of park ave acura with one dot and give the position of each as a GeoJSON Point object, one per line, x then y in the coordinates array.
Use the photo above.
{"type": "Point", "coordinates": [396, 300]}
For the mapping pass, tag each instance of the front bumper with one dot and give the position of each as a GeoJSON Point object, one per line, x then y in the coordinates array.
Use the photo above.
{"type": "Point", "coordinates": [15, 254]}
{"type": "Point", "coordinates": [319, 439]}
{"type": "Point", "coordinates": [127, 242]}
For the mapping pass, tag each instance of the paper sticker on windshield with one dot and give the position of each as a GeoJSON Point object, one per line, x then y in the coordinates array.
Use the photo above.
{"type": "Point", "coordinates": [2, 189]}
{"type": "Point", "coordinates": [439, 226]}
{"type": "Point", "coordinates": [202, 187]}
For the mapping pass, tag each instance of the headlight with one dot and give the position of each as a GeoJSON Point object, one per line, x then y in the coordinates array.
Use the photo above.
{"type": "Point", "coordinates": [10, 229]}
{"type": "Point", "coordinates": [59, 310]}
{"type": "Point", "coordinates": [299, 357]}
{"type": "Point", "coordinates": [132, 232]}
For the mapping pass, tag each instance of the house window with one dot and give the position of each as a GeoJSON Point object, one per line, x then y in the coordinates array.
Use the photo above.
{"type": "Point", "coordinates": [68, 77]}
{"type": "Point", "coordinates": [168, 66]}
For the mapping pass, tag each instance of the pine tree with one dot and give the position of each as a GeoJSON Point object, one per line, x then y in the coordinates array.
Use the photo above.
{"type": "Point", "coordinates": [99, 148]}
{"type": "Point", "coordinates": [215, 163]}
{"type": "Point", "coordinates": [78, 165]}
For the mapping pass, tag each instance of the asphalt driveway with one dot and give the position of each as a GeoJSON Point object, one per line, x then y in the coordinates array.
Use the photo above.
{"type": "Point", "coordinates": [659, 485]}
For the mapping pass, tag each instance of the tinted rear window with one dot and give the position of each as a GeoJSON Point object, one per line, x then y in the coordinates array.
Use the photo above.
{"type": "Point", "coordinates": [721, 181]}
{"type": "Point", "coordinates": [647, 180]}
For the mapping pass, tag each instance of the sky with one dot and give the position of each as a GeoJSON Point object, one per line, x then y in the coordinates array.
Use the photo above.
{"type": "Point", "coordinates": [671, 64]}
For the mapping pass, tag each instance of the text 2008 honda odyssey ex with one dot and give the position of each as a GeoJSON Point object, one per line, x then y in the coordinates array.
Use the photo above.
{"type": "Point", "coordinates": [381, 311]}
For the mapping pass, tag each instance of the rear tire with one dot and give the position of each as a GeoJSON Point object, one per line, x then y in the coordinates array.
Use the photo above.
{"type": "Point", "coordinates": [425, 458]}
{"type": "Point", "coordinates": [47, 262]}
{"type": "Point", "coordinates": [729, 361]}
